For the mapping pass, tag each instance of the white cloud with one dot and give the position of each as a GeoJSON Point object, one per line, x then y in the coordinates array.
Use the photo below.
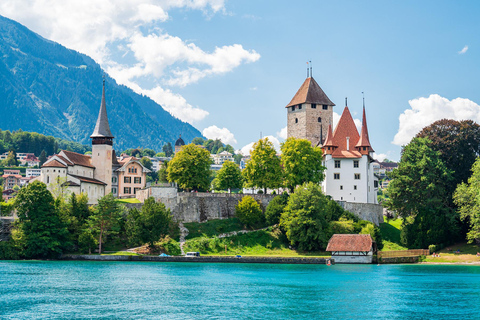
{"type": "Point", "coordinates": [98, 28]}
{"type": "Point", "coordinates": [282, 133]}
{"type": "Point", "coordinates": [214, 132]}
{"type": "Point", "coordinates": [425, 111]}
{"type": "Point", "coordinates": [248, 148]}
{"type": "Point", "coordinates": [463, 50]}
{"type": "Point", "coordinates": [380, 157]}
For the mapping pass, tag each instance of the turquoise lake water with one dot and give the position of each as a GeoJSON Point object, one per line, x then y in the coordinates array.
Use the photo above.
{"type": "Point", "coordinates": [146, 290]}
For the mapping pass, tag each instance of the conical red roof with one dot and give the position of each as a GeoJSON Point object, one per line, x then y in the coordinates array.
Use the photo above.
{"type": "Point", "coordinates": [345, 129]}
{"type": "Point", "coordinates": [364, 141]}
{"type": "Point", "coordinates": [310, 92]}
{"type": "Point", "coordinates": [329, 138]}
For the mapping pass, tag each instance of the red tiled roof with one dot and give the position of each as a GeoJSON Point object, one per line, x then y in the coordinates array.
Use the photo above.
{"type": "Point", "coordinates": [350, 242]}
{"type": "Point", "coordinates": [310, 92]}
{"type": "Point", "coordinates": [78, 159]}
{"type": "Point", "coordinates": [68, 162]}
{"type": "Point", "coordinates": [345, 128]}
{"type": "Point", "coordinates": [55, 164]}
{"type": "Point", "coordinates": [88, 180]}
{"type": "Point", "coordinates": [11, 175]}
{"type": "Point", "coordinates": [329, 138]}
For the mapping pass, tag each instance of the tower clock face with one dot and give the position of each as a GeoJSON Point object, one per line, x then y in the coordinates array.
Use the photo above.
{"type": "Point", "coordinates": [109, 154]}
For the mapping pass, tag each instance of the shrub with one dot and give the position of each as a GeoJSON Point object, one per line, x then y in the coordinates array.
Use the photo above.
{"type": "Point", "coordinates": [275, 209]}
{"type": "Point", "coordinates": [169, 246]}
{"type": "Point", "coordinates": [249, 212]}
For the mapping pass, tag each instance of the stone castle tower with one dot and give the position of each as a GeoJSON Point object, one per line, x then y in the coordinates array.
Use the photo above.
{"type": "Point", "coordinates": [309, 113]}
{"type": "Point", "coordinates": [102, 146]}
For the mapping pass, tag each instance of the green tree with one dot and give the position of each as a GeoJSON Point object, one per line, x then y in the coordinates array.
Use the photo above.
{"type": "Point", "coordinates": [198, 141]}
{"type": "Point", "coordinates": [11, 159]}
{"type": "Point", "coordinates": [105, 218]}
{"type": "Point", "coordinates": [419, 194]}
{"type": "Point", "coordinates": [38, 220]}
{"type": "Point", "coordinates": [190, 168]}
{"type": "Point", "coordinates": [167, 149]}
{"type": "Point", "coordinates": [301, 163]}
{"type": "Point", "coordinates": [229, 176]}
{"type": "Point", "coordinates": [249, 212]}
{"type": "Point", "coordinates": [263, 170]}
{"type": "Point", "coordinates": [42, 158]}
{"type": "Point", "coordinates": [163, 173]}
{"type": "Point", "coordinates": [237, 158]}
{"type": "Point", "coordinates": [148, 153]}
{"type": "Point", "coordinates": [153, 222]}
{"type": "Point", "coordinates": [467, 199]}
{"type": "Point", "coordinates": [160, 154]}
{"type": "Point", "coordinates": [147, 163]}
{"type": "Point", "coordinates": [275, 208]}
{"type": "Point", "coordinates": [305, 218]}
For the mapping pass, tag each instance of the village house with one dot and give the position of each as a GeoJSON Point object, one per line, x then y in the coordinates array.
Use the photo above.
{"type": "Point", "coordinates": [351, 248]}
{"type": "Point", "coordinates": [223, 156]}
{"type": "Point", "coordinates": [11, 178]}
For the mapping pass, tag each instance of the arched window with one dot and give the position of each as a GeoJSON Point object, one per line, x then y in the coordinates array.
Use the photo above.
{"type": "Point", "coordinates": [48, 179]}
{"type": "Point", "coordinates": [296, 120]}
{"type": "Point", "coordinates": [319, 119]}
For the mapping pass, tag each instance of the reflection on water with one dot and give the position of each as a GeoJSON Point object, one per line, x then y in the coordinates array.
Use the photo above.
{"type": "Point", "coordinates": [78, 290]}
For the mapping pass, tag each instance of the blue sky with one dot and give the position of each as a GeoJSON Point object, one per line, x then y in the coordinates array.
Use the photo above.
{"type": "Point", "coordinates": [230, 67]}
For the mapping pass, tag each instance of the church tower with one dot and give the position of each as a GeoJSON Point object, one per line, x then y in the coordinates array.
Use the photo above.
{"type": "Point", "coordinates": [309, 113]}
{"type": "Point", "coordinates": [102, 146]}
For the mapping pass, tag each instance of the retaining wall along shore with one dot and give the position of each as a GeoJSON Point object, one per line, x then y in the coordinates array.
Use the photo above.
{"type": "Point", "coordinates": [218, 259]}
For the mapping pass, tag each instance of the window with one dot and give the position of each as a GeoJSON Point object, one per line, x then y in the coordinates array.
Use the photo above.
{"type": "Point", "coordinates": [336, 176]}
{"type": "Point", "coordinates": [296, 120]}
{"type": "Point", "coordinates": [354, 187]}
{"type": "Point", "coordinates": [357, 176]}
{"type": "Point", "coordinates": [127, 179]}
{"type": "Point", "coordinates": [314, 106]}
{"type": "Point", "coordinates": [114, 179]}
{"type": "Point", "coordinates": [127, 190]}
{"type": "Point", "coordinates": [293, 108]}
{"type": "Point", "coordinates": [325, 107]}
{"type": "Point", "coordinates": [355, 163]}
{"type": "Point", "coordinates": [135, 190]}
{"type": "Point", "coordinates": [48, 179]}
{"type": "Point", "coordinates": [53, 170]}
{"type": "Point", "coordinates": [299, 107]}
{"type": "Point", "coordinates": [114, 190]}
{"type": "Point", "coordinates": [341, 187]}
{"type": "Point", "coordinates": [364, 148]}
{"type": "Point", "coordinates": [137, 180]}
{"type": "Point", "coordinates": [337, 163]}
{"type": "Point", "coordinates": [375, 184]}
{"type": "Point", "coordinates": [319, 119]}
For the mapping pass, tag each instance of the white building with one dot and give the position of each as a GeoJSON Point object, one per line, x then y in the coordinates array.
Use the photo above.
{"type": "Point", "coordinates": [222, 157]}
{"type": "Point", "coordinates": [348, 158]}
{"type": "Point", "coordinates": [33, 172]}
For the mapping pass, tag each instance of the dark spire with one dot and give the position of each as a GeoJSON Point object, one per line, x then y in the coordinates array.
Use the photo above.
{"type": "Point", "coordinates": [307, 70]}
{"type": "Point", "coordinates": [311, 71]}
{"type": "Point", "coordinates": [102, 128]}
{"type": "Point", "coordinates": [346, 104]}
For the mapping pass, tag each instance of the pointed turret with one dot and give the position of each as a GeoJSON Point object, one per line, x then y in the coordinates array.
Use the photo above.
{"type": "Point", "coordinates": [102, 134]}
{"type": "Point", "coordinates": [328, 145]}
{"type": "Point", "coordinates": [363, 143]}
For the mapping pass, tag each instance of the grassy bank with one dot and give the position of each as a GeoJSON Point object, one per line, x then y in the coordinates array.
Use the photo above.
{"type": "Point", "coordinates": [391, 235]}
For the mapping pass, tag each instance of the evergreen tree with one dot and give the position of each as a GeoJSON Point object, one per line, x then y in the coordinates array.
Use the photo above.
{"type": "Point", "coordinates": [167, 149]}
{"type": "Point", "coordinates": [42, 158]}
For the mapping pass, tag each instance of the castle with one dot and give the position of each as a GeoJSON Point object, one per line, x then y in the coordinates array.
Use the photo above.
{"type": "Point", "coordinates": [99, 174]}
{"type": "Point", "coordinates": [347, 155]}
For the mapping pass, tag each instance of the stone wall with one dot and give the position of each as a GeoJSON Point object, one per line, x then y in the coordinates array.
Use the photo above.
{"type": "Point", "coordinates": [199, 207]}
{"type": "Point", "coordinates": [365, 211]}
{"type": "Point", "coordinates": [353, 259]}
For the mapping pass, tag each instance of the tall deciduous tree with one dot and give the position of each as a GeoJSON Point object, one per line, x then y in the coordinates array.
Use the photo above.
{"type": "Point", "coordinates": [40, 223]}
{"type": "Point", "coordinates": [419, 194]}
{"type": "Point", "coordinates": [229, 176]}
{"type": "Point", "coordinates": [249, 212]}
{"type": "Point", "coordinates": [263, 170]}
{"type": "Point", "coordinates": [467, 199]}
{"type": "Point", "coordinates": [458, 143]}
{"type": "Point", "coordinates": [190, 168]}
{"type": "Point", "coordinates": [153, 222]}
{"type": "Point", "coordinates": [301, 163]}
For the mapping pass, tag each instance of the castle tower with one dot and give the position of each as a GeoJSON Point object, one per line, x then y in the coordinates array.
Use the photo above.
{"type": "Point", "coordinates": [102, 145]}
{"type": "Point", "coordinates": [309, 113]}
{"type": "Point", "coordinates": [179, 144]}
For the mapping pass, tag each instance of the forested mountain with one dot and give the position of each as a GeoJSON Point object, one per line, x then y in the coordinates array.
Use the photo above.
{"type": "Point", "coordinates": [49, 89]}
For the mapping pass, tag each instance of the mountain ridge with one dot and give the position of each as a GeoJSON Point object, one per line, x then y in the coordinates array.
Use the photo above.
{"type": "Point", "coordinates": [50, 89]}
